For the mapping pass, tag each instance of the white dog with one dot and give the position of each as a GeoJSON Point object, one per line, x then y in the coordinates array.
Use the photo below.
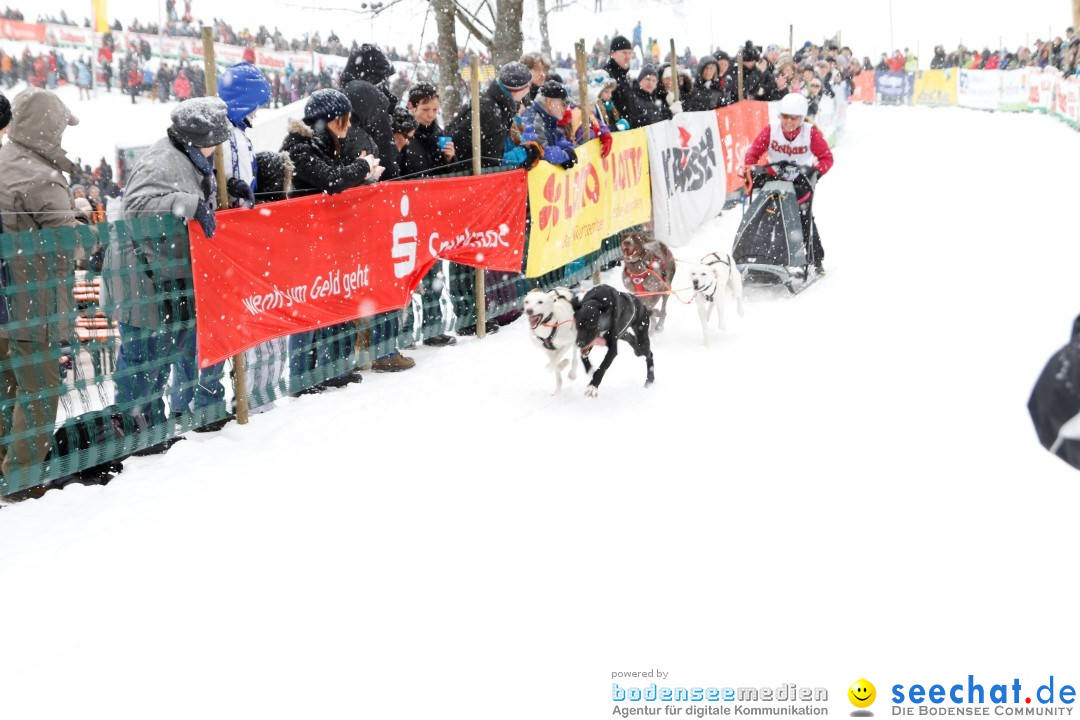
{"type": "Point", "coordinates": [551, 323]}
{"type": "Point", "coordinates": [713, 280]}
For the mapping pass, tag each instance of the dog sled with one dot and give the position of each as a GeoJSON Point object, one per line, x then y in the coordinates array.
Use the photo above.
{"type": "Point", "coordinates": [769, 247]}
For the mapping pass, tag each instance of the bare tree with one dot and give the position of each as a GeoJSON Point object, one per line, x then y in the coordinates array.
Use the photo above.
{"type": "Point", "coordinates": [501, 36]}
{"type": "Point", "coordinates": [545, 37]}
{"type": "Point", "coordinates": [450, 87]}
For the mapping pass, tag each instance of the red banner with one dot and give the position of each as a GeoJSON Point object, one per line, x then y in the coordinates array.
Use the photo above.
{"type": "Point", "coordinates": [26, 32]}
{"type": "Point", "coordinates": [310, 262]}
{"type": "Point", "coordinates": [739, 125]}
{"type": "Point", "coordinates": [864, 88]}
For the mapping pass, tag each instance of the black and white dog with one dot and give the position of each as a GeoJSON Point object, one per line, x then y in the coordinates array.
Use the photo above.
{"type": "Point", "coordinates": [605, 316]}
{"type": "Point", "coordinates": [551, 324]}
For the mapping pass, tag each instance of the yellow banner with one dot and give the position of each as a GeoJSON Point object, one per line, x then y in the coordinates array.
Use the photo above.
{"type": "Point", "coordinates": [101, 19]}
{"type": "Point", "coordinates": [572, 211]}
{"type": "Point", "coordinates": [935, 87]}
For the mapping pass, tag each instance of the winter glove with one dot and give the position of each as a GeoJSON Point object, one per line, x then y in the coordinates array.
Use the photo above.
{"type": "Point", "coordinates": [675, 108]}
{"type": "Point", "coordinates": [515, 156]}
{"type": "Point", "coordinates": [605, 144]}
{"type": "Point", "coordinates": [205, 217]}
{"type": "Point", "coordinates": [622, 124]}
{"type": "Point", "coordinates": [240, 190]}
{"type": "Point", "coordinates": [571, 159]}
{"type": "Point", "coordinates": [567, 117]}
{"type": "Point", "coordinates": [810, 172]}
{"type": "Point", "coordinates": [533, 153]}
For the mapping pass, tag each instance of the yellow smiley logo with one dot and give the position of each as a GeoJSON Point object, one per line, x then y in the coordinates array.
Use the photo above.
{"type": "Point", "coordinates": [862, 693]}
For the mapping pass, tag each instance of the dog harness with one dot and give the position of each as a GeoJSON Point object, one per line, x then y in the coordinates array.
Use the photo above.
{"type": "Point", "coordinates": [711, 295]}
{"type": "Point", "coordinates": [638, 279]}
{"type": "Point", "coordinates": [717, 260]}
{"type": "Point", "coordinates": [548, 345]}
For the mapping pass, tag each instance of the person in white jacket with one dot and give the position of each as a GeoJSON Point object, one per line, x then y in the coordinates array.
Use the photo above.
{"type": "Point", "coordinates": [244, 88]}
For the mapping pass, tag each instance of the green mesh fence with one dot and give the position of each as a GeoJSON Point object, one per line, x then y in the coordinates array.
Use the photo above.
{"type": "Point", "coordinates": [97, 349]}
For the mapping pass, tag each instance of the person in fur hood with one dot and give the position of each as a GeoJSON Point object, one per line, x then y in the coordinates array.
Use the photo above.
{"type": "Point", "coordinates": [316, 147]}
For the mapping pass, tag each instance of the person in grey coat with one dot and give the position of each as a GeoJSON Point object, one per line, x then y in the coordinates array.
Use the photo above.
{"type": "Point", "coordinates": [34, 195]}
{"type": "Point", "coordinates": [175, 176]}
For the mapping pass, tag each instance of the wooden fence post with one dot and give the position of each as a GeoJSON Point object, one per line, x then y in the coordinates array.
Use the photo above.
{"type": "Point", "coordinates": [738, 60]}
{"type": "Point", "coordinates": [481, 290]}
{"type": "Point", "coordinates": [239, 369]}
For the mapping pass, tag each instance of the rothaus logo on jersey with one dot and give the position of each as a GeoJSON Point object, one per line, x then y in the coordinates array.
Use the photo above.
{"type": "Point", "coordinates": [788, 149]}
{"type": "Point", "coordinates": [689, 167]}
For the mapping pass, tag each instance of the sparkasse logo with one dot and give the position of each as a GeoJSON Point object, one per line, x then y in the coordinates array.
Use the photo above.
{"type": "Point", "coordinates": [1050, 698]}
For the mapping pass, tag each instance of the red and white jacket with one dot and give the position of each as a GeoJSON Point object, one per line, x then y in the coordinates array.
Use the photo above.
{"type": "Point", "coordinates": [805, 143]}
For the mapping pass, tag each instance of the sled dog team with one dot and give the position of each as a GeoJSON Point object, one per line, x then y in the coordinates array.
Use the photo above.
{"type": "Point", "coordinates": [565, 326]}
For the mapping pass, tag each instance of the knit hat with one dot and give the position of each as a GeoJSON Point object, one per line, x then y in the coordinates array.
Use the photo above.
{"type": "Point", "coordinates": [721, 55]}
{"type": "Point", "coordinates": [403, 121]}
{"type": "Point", "coordinates": [327, 104]}
{"type": "Point", "coordinates": [750, 53]}
{"type": "Point", "coordinates": [552, 89]}
{"type": "Point", "coordinates": [515, 76]}
{"type": "Point", "coordinates": [619, 42]}
{"type": "Point", "coordinates": [772, 48]}
{"type": "Point", "coordinates": [601, 79]}
{"type": "Point", "coordinates": [646, 72]}
{"type": "Point", "coordinates": [5, 111]}
{"type": "Point", "coordinates": [201, 122]}
{"type": "Point", "coordinates": [244, 88]}
{"type": "Point", "coordinates": [273, 175]}
{"type": "Point", "coordinates": [367, 63]}
{"type": "Point", "coordinates": [249, 55]}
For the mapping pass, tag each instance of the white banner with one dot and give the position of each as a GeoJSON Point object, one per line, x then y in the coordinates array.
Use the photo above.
{"type": "Point", "coordinates": [979, 89]}
{"type": "Point", "coordinates": [688, 179]}
{"type": "Point", "coordinates": [1014, 90]}
{"type": "Point", "coordinates": [1067, 100]}
{"type": "Point", "coordinates": [1041, 88]}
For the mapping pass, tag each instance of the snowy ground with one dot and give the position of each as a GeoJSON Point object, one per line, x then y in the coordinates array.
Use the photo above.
{"type": "Point", "coordinates": [846, 485]}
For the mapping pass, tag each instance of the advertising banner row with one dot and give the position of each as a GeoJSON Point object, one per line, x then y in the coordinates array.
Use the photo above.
{"type": "Point", "coordinates": [160, 45]}
{"type": "Point", "coordinates": [338, 266]}
{"type": "Point", "coordinates": [1026, 89]}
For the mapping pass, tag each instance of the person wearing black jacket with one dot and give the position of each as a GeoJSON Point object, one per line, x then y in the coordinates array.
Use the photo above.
{"type": "Point", "coordinates": [650, 94]}
{"type": "Point", "coordinates": [316, 148]}
{"type": "Point", "coordinates": [423, 157]}
{"type": "Point", "coordinates": [498, 106]}
{"type": "Point", "coordinates": [756, 84]}
{"type": "Point", "coordinates": [370, 131]}
{"type": "Point", "coordinates": [630, 107]}
{"type": "Point", "coordinates": [938, 61]}
{"type": "Point", "coordinates": [366, 73]}
{"type": "Point", "coordinates": [368, 63]}
{"type": "Point", "coordinates": [707, 93]}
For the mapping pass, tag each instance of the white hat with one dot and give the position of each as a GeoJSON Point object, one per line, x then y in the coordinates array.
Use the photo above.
{"type": "Point", "coordinates": [793, 104]}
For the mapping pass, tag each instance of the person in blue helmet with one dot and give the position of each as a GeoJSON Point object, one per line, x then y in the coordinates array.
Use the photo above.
{"type": "Point", "coordinates": [245, 88]}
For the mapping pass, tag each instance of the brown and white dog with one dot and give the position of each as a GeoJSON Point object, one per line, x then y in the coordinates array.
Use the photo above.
{"type": "Point", "coordinates": [648, 269]}
{"type": "Point", "coordinates": [713, 280]}
{"type": "Point", "coordinates": [551, 324]}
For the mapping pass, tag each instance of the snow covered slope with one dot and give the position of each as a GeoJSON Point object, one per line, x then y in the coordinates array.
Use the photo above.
{"type": "Point", "coordinates": [846, 485]}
